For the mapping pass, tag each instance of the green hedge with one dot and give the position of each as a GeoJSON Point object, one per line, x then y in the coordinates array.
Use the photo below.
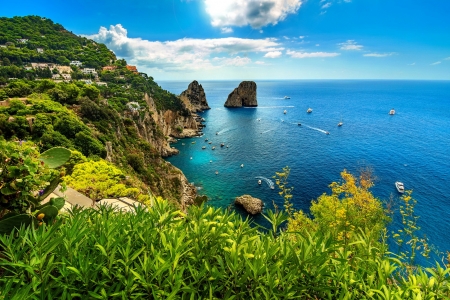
{"type": "Point", "coordinates": [161, 253]}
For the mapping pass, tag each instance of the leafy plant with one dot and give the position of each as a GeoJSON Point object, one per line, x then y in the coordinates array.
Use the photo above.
{"type": "Point", "coordinates": [27, 178]}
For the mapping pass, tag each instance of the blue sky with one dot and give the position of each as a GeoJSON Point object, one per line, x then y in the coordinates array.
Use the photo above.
{"type": "Point", "coordinates": [263, 39]}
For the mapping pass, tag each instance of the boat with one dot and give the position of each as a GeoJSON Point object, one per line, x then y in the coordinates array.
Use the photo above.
{"type": "Point", "coordinates": [340, 123]}
{"type": "Point", "coordinates": [227, 146]}
{"type": "Point", "coordinates": [206, 140]}
{"type": "Point", "coordinates": [213, 148]}
{"type": "Point", "coordinates": [209, 142]}
{"type": "Point", "coordinates": [221, 145]}
{"type": "Point", "coordinates": [191, 157]}
{"type": "Point", "coordinates": [204, 147]}
{"type": "Point", "coordinates": [210, 161]}
{"type": "Point", "coordinates": [285, 111]}
{"type": "Point", "coordinates": [326, 132]}
{"type": "Point", "coordinates": [217, 172]}
{"type": "Point", "coordinates": [309, 110]}
{"type": "Point", "coordinates": [217, 133]}
{"type": "Point", "coordinates": [287, 97]}
{"type": "Point", "coordinates": [242, 165]}
{"type": "Point", "coordinates": [193, 142]}
{"type": "Point", "coordinates": [392, 112]}
{"type": "Point", "coordinates": [182, 144]}
{"type": "Point", "coordinates": [272, 187]}
{"type": "Point", "coordinates": [299, 124]}
{"type": "Point", "coordinates": [400, 187]}
{"type": "Point", "coordinates": [259, 181]}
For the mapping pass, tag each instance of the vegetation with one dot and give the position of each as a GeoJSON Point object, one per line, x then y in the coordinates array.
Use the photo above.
{"type": "Point", "coordinates": [206, 253]}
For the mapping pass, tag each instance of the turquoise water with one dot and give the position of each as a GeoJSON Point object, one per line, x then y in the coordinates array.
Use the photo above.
{"type": "Point", "coordinates": [412, 146]}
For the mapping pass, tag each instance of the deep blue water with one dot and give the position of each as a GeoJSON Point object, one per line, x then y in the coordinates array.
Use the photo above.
{"type": "Point", "coordinates": [413, 146]}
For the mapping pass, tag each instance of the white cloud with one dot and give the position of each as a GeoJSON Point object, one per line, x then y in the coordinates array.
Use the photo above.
{"type": "Point", "coordinates": [413, 64]}
{"type": "Point", "coordinates": [183, 54]}
{"type": "Point", "coordinates": [350, 45]}
{"type": "Point", "coordinates": [447, 58]}
{"type": "Point", "coordinates": [258, 62]}
{"type": "Point", "coordinates": [234, 61]}
{"type": "Point", "coordinates": [273, 54]}
{"type": "Point", "coordinates": [326, 5]}
{"type": "Point", "coordinates": [380, 54]}
{"type": "Point", "coordinates": [256, 13]}
{"type": "Point", "coordinates": [435, 63]}
{"type": "Point", "coordinates": [261, 31]}
{"type": "Point", "coordinates": [226, 30]}
{"type": "Point", "coordinates": [347, 1]}
{"type": "Point", "coordinates": [286, 37]}
{"type": "Point", "coordinates": [317, 45]}
{"type": "Point", "coordinates": [298, 54]}
{"type": "Point", "coordinates": [301, 37]}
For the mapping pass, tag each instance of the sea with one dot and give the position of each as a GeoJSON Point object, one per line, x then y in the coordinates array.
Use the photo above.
{"type": "Point", "coordinates": [412, 146]}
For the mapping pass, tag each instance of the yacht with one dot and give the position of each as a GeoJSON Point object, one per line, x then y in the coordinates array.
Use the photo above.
{"type": "Point", "coordinates": [213, 148]}
{"type": "Point", "coordinates": [209, 142]}
{"type": "Point", "coordinates": [221, 145]}
{"type": "Point", "coordinates": [392, 112]}
{"type": "Point", "coordinates": [340, 123]}
{"type": "Point", "coordinates": [206, 140]}
{"type": "Point", "coordinates": [242, 165]}
{"type": "Point", "coordinates": [299, 124]}
{"type": "Point", "coordinates": [287, 97]}
{"type": "Point", "coordinates": [217, 133]}
{"type": "Point", "coordinates": [259, 181]}
{"type": "Point", "coordinates": [285, 111]}
{"type": "Point", "coordinates": [204, 147]}
{"type": "Point", "coordinates": [193, 142]}
{"type": "Point", "coordinates": [272, 187]}
{"type": "Point", "coordinates": [326, 132]}
{"type": "Point", "coordinates": [309, 110]}
{"type": "Point", "coordinates": [400, 187]}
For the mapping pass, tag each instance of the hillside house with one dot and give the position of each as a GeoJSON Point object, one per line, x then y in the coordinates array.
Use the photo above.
{"type": "Point", "coordinates": [109, 68]}
{"type": "Point", "coordinates": [40, 50]}
{"type": "Point", "coordinates": [132, 69]}
{"type": "Point", "coordinates": [89, 71]}
{"type": "Point", "coordinates": [66, 76]}
{"type": "Point", "coordinates": [64, 69]}
{"type": "Point", "coordinates": [3, 46]}
{"type": "Point", "coordinates": [76, 63]}
{"type": "Point", "coordinates": [56, 76]}
{"type": "Point", "coordinates": [22, 41]}
{"type": "Point", "coordinates": [43, 65]}
{"type": "Point", "coordinates": [101, 83]}
{"type": "Point", "coordinates": [87, 81]}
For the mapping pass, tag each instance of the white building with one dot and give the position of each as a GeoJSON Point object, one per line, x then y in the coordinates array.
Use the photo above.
{"type": "Point", "coordinates": [89, 71]}
{"type": "Point", "coordinates": [66, 76]}
{"type": "Point", "coordinates": [22, 41]}
{"type": "Point", "coordinates": [87, 81]}
{"type": "Point", "coordinates": [76, 63]}
{"type": "Point", "coordinates": [40, 50]}
{"type": "Point", "coordinates": [100, 83]}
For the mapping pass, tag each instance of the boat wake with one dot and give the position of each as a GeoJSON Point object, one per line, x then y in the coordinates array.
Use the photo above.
{"type": "Point", "coordinates": [281, 106]}
{"type": "Point", "coordinates": [313, 128]}
{"type": "Point", "coordinates": [227, 130]}
{"type": "Point", "coordinates": [267, 180]}
{"type": "Point", "coordinates": [266, 131]}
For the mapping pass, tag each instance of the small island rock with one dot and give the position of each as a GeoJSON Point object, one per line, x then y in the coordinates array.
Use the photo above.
{"type": "Point", "coordinates": [194, 97]}
{"type": "Point", "coordinates": [243, 95]}
{"type": "Point", "coordinates": [251, 205]}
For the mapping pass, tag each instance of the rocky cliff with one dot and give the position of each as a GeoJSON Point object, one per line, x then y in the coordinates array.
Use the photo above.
{"type": "Point", "coordinates": [243, 95]}
{"type": "Point", "coordinates": [194, 97]}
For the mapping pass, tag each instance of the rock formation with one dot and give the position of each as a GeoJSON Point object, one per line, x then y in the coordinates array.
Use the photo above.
{"type": "Point", "coordinates": [251, 205]}
{"type": "Point", "coordinates": [194, 97]}
{"type": "Point", "coordinates": [243, 95]}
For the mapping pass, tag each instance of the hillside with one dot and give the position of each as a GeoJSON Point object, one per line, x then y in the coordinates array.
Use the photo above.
{"type": "Point", "coordinates": [59, 89]}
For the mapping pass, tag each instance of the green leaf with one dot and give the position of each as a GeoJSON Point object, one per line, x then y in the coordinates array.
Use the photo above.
{"type": "Point", "coordinates": [55, 157]}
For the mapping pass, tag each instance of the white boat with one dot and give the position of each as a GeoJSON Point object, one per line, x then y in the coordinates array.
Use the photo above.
{"type": "Point", "coordinates": [285, 112]}
{"type": "Point", "coordinates": [222, 144]}
{"type": "Point", "coordinates": [242, 165]}
{"type": "Point", "coordinates": [209, 142]}
{"type": "Point", "coordinates": [217, 133]}
{"type": "Point", "coordinates": [206, 140]}
{"type": "Point", "coordinates": [217, 172]}
{"type": "Point", "coordinates": [400, 187]}
{"type": "Point", "coordinates": [272, 187]}
{"type": "Point", "coordinates": [259, 181]}
{"type": "Point", "coordinates": [204, 147]}
{"type": "Point", "coordinates": [213, 148]}
{"type": "Point", "coordinates": [287, 97]}
{"type": "Point", "coordinates": [340, 123]}
{"type": "Point", "coordinates": [309, 110]}
{"type": "Point", "coordinates": [299, 124]}
{"type": "Point", "coordinates": [191, 157]}
{"type": "Point", "coordinates": [392, 112]}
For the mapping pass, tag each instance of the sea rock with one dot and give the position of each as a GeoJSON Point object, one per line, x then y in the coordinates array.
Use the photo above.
{"type": "Point", "coordinates": [243, 95]}
{"type": "Point", "coordinates": [194, 97]}
{"type": "Point", "coordinates": [251, 205]}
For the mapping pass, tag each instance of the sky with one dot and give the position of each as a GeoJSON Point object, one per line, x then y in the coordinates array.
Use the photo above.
{"type": "Point", "coordinates": [262, 39]}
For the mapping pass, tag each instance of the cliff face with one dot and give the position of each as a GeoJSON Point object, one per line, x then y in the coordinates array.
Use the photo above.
{"type": "Point", "coordinates": [243, 95]}
{"type": "Point", "coordinates": [194, 97]}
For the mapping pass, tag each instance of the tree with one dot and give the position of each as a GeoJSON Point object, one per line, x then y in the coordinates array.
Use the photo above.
{"type": "Point", "coordinates": [90, 91]}
{"type": "Point", "coordinates": [349, 208]}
